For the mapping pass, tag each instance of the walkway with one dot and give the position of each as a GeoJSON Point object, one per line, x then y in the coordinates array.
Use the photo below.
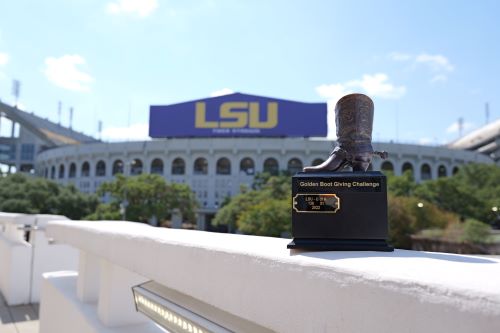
{"type": "Point", "coordinates": [18, 319]}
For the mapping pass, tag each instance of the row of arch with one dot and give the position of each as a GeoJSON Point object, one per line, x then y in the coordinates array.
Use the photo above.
{"type": "Point", "coordinates": [223, 167]}
{"type": "Point", "coordinates": [425, 169]}
{"type": "Point", "coordinates": [178, 167]}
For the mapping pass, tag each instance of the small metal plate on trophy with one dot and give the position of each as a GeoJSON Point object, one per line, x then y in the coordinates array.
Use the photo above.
{"type": "Point", "coordinates": [339, 211]}
{"type": "Point", "coordinates": [316, 203]}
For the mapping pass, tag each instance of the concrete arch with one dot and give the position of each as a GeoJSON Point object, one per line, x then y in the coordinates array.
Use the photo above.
{"type": "Point", "coordinates": [157, 166]}
{"type": "Point", "coordinates": [271, 165]}
{"type": "Point", "coordinates": [178, 166]}
{"type": "Point", "coordinates": [100, 168]}
{"type": "Point", "coordinates": [442, 171]}
{"type": "Point", "coordinates": [200, 166]}
{"type": "Point", "coordinates": [294, 165]}
{"type": "Point", "coordinates": [223, 166]}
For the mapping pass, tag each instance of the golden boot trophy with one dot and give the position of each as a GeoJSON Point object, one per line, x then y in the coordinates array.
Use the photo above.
{"type": "Point", "coordinates": [354, 120]}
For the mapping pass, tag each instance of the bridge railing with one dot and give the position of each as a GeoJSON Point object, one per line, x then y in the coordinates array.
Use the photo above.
{"type": "Point", "coordinates": [26, 253]}
{"type": "Point", "coordinates": [254, 284]}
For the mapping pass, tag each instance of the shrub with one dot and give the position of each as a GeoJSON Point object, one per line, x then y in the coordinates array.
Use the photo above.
{"type": "Point", "coordinates": [407, 217]}
{"type": "Point", "coordinates": [475, 231]}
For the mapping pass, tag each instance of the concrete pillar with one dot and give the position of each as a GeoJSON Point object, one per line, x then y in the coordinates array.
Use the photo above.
{"type": "Point", "coordinates": [116, 306]}
{"type": "Point", "coordinates": [201, 222]}
{"type": "Point", "coordinates": [434, 170]}
{"type": "Point", "coordinates": [176, 218]}
{"type": "Point", "coordinates": [87, 286]}
{"type": "Point", "coordinates": [153, 221]}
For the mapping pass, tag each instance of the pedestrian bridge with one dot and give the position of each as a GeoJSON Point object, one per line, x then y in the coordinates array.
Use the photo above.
{"type": "Point", "coordinates": [254, 284]}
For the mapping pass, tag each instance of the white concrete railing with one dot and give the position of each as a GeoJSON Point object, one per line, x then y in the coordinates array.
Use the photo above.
{"type": "Point", "coordinates": [22, 262]}
{"type": "Point", "coordinates": [254, 284]}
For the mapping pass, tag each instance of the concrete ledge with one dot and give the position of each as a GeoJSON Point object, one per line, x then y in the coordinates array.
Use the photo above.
{"type": "Point", "coordinates": [15, 260]}
{"type": "Point", "coordinates": [258, 279]}
{"type": "Point", "coordinates": [23, 262]}
{"type": "Point", "coordinates": [61, 311]}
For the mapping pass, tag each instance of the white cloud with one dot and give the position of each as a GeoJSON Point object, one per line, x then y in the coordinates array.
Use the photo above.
{"type": "Point", "coordinates": [134, 132]}
{"type": "Point", "coordinates": [333, 91]}
{"type": "Point", "coordinates": [4, 58]}
{"type": "Point", "coordinates": [376, 85]}
{"type": "Point", "coordinates": [141, 8]}
{"type": "Point", "coordinates": [455, 127]}
{"type": "Point", "coordinates": [439, 78]}
{"type": "Point", "coordinates": [397, 56]}
{"type": "Point", "coordinates": [64, 73]}
{"type": "Point", "coordinates": [436, 62]}
{"type": "Point", "coordinates": [222, 92]}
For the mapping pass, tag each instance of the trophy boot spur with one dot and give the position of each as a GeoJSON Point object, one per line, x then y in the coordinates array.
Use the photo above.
{"type": "Point", "coordinates": [354, 120]}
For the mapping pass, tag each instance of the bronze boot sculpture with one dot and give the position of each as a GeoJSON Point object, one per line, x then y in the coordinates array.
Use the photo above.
{"type": "Point", "coordinates": [354, 120]}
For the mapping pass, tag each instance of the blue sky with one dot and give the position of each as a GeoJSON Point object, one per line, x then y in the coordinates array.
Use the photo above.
{"type": "Point", "coordinates": [424, 63]}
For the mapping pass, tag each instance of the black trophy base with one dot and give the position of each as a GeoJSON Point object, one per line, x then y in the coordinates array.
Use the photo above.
{"type": "Point", "coordinates": [326, 244]}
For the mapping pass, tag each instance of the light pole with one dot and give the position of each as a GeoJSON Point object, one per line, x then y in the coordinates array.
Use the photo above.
{"type": "Point", "coordinates": [496, 223]}
{"type": "Point", "coordinates": [123, 207]}
{"type": "Point", "coordinates": [124, 203]}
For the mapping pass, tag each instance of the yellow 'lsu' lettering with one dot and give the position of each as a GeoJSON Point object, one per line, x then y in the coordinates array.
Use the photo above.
{"type": "Point", "coordinates": [200, 119]}
{"type": "Point", "coordinates": [240, 117]}
{"type": "Point", "coordinates": [237, 115]}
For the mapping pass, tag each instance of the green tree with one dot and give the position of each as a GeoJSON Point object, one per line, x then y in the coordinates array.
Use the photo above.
{"type": "Point", "coordinates": [267, 218]}
{"type": "Point", "coordinates": [409, 215]}
{"type": "Point", "coordinates": [452, 195]}
{"type": "Point", "coordinates": [25, 194]}
{"type": "Point", "coordinates": [401, 223]}
{"type": "Point", "coordinates": [180, 196]}
{"type": "Point", "coordinates": [470, 193]}
{"type": "Point", "coordinates": [146, 195]}
{"type": "Point", "coordinates": [262, 178]}
{"type": "Point", "coordinates": [401, 185]}
{"type": "Point", "coordinates": [106, 212]}
{"type": "Point", "coordinates": [230, 213]}
{"type": "Point", "coordinates": [265, 210]}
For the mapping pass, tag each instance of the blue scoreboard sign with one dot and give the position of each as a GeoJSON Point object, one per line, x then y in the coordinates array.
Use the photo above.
{"type": "Point", "coordinates": [238, 115]}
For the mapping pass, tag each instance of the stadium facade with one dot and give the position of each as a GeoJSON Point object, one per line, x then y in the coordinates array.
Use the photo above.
{"type": "Point", "coordinates": [485, 140]}
{"type": "Point", "coordinates": [23, 135]}
{"type": "Point", "coordinates": [224, 148]}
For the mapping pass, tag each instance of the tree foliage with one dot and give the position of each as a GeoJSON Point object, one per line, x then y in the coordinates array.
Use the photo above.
{"type": "Point", "coordinates": [268, 218]}
{"type": "Point", "coordinates": [264, 211]}
{"type": "Point", "coordinates": [145, 196]}
{"type": "Point", "coordinates": [409, 215]}
{"type": "Point", "coordinates": [401, 186]}
{"type": "Point", "coordinates": [476, 231]}
{"type": "Point", "coordinates": [433, 204]}
{"type": "Point", "coordinates": [20, 193]}
{"type": "Point", "coordinates": [470, 193]}
{"type": "Point", "coordinates": [467, 196]}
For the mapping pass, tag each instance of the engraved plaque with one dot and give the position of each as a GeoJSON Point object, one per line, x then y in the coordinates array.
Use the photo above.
{"type": "Point", "coordinates": [339, 211]}
{"type": "Point", "coordinates": [316, 203]}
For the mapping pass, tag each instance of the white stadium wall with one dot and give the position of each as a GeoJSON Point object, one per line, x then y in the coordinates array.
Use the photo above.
{"type": "Point", "coordinates": [92, 164]}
